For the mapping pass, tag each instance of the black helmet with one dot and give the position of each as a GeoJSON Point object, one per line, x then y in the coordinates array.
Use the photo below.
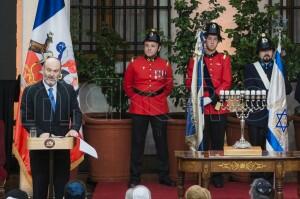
{"type": "Point", "coordinates": [152, 36]}
{"type": "Point", "coordinates": [264, 43]}
{"type": "Point", "coordinates": [213, 29]}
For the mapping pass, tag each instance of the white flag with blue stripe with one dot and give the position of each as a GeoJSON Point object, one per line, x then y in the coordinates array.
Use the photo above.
{"type": "Point", "coordinates": [277, 135]}
{"type": "Point", "coordinates": [195, 108]}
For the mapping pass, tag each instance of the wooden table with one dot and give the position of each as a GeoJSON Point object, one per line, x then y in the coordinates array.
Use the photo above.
{"type": "Point", "coordinates": [214, 161]}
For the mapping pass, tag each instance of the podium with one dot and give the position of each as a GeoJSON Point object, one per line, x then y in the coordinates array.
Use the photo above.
{"type": "Point", "coordinates": [51, 144]}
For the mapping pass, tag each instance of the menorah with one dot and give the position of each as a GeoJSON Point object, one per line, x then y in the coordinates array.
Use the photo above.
{"type": "Point", "coordinates": [243, 102]}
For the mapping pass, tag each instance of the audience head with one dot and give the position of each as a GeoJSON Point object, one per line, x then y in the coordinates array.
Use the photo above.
{"type": "Point", "coordinates": [261, 189]}
{"type": "Point", "coordinates": [16, 194]}
{"type": "Point", "coordinates": [75, 190]}
{"type": "Point", "coordinates": [138, 192]}
{"type": "Point", "coordinates": [197, 192]}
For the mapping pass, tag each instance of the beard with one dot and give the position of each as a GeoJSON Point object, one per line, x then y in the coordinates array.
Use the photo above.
{"type": "Point", "coordinates": [266, 58]}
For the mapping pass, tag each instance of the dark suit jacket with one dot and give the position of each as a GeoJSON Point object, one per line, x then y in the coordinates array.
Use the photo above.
{"type": "Point", "coordinates": [297, 92]}
{"type": "Point", "coordinates": [252, 81]}
{"type": "Point", "coordinates": [36, 109]}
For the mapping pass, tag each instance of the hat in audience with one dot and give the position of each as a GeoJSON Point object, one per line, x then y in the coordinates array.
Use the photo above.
{"type": "Point", "coordinates": [138, 192]}
{"type": "Point", "coordinates": [75, 190]}
{"type": "Point", "coordinates": [16, 194]}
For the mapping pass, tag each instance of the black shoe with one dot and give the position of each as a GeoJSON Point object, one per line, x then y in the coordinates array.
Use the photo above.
{"type": "Point", "coordinates": [133, 183]}
{"type": "Point", "coordinates": [167, 181]}
{"type": "Point", "coordinates": [218, 181]}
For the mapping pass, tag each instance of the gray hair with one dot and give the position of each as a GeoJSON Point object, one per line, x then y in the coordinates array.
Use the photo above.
{"type": "Point", "coordinates": [261, 189]}
{"type": "Point", "coordinates": [138, 192]}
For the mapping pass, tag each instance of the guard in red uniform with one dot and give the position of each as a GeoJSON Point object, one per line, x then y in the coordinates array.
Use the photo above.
{"type": "Point", "coordinates": [217, 77]}
{"type": "Point", "coordinates": [148, 82]}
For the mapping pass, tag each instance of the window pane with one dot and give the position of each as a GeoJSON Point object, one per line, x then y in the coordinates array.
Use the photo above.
{"type": "Point", "coordinates": [297, 26]}
{"type": "Point", "coordinates": [74, 24]}
{"type": "Point", "coordinates": [119, 21]}
{"type": "Point", "coordinates": [297, 2]}
{"type": "Point", "coordinates": [118, 2]}
{"type": "Point", "coordinates": [139, 2]}
{"type": "Point", "coordinates": [84, 2]}
{"type": "Point", "coordinates": [129, 25]}
{"type": "Point", "coordinates": [75, 2]}
{"type": "Point", "coordinates": [163, 26]}
{"type": "Point", "coordinates": [284, 18]}
{"type": "Point", "coordinates": [163, 21]}
{"type": "Point", "coordinates": [284, 2]}
{"type": "Point", "coordinates": [275, 2]}
{"type": "Point", "coordinates": [85, 23]}
{"type": "Point", "coordinates": [140, 24]}
{"type": "Point", "coordinates": [161, 2]}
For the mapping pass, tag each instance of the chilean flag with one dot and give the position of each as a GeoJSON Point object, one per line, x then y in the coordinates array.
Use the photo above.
{"type": "Point", "coordinates": [50, 37]}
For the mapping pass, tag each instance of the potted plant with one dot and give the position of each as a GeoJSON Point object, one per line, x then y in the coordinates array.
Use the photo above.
{"type": "Point", "coordinates": [109, 133]}
{"type": "Point", "coordinates": [187, 24]}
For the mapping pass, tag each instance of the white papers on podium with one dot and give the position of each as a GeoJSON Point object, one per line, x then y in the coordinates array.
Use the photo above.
{"type": "Point", "coordinates": [88, 149]}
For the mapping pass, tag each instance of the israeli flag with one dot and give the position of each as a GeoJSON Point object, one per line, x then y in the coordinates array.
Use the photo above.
{"type": "Point", "coordinates": [277, 135]}
{"type": "Point", "coordinates": [195, 107]}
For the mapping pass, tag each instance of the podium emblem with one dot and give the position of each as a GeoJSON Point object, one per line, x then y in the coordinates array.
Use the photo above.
{"type": "Point", "coordinates": [49, 143]}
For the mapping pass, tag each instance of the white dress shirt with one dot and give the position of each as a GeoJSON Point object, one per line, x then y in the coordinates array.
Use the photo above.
{"type": "Point", "coordinates": [54, 91]}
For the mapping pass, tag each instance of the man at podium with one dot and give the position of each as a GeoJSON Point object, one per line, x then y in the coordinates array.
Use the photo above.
{"type": "Point", "coordinates": [51, 108]}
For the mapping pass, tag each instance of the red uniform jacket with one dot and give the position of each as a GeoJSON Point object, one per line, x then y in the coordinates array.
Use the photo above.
{"type": "Point", "coordinates": [219, 68]}
{"type": "Point", "coordinates": [148, 76]}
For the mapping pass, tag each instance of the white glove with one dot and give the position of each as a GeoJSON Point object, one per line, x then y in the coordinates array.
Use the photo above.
{"type": "Point", "coordinates": [206, 101]}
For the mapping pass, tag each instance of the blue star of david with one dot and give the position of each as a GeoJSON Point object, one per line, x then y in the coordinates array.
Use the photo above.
{"type": "Point", "coordinates": [281, 124]}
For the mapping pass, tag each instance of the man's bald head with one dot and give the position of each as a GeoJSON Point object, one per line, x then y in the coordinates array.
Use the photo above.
{"type": "Point", "coordinates": [51, 70]}
{"type": "Point", "coordinates": [52, 61]}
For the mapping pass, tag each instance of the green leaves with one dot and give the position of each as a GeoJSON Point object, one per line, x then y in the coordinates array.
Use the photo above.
{"type": "Point", "coordinates": [251, 23]}
{"type": "Point", "coordinates": [187, 24]}
{"type": "Point", "coordinates": [99, 68]}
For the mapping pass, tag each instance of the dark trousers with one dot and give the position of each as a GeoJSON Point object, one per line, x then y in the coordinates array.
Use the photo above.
{"type": "Point", "coordinates": [214, 132]}
{"type": "Point", "coordinates": [139, 131]}
{"type": "Point", "coordinates": [213, 136]}
{"type": "Point", "coordinates": [39, 162]}
{"type": "Point", "coordinates": [257, 135]}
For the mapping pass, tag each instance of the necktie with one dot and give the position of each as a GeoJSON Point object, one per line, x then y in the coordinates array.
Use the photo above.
{"type": "Point", "coordinates": [52, 100]}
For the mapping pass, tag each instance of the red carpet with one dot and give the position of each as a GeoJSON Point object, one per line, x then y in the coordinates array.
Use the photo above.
{"type": "Point", "coordinates": [231, 190]}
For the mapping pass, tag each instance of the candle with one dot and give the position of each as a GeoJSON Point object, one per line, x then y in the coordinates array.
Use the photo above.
{"type": "Point", "coordinates": [258, 92]}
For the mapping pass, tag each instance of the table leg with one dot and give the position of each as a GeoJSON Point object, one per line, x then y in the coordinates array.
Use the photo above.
{"type": "Point", "coordinates": [199, 178]}
{"type": "Point", "coordinates": [180, 184]}
{"type": "Point", "coordinates": [279, 175]}
{"type": "Point", "coordinates": [205, 175]}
